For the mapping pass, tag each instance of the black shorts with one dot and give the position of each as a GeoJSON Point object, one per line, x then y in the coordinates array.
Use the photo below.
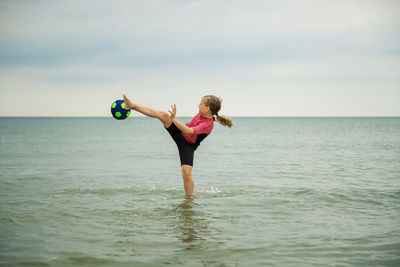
{"type": "Point", "coordinates": [186, 149]}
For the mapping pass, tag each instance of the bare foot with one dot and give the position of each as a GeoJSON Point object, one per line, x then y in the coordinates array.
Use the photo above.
{"type": "Point", "coordinates": [128, 103]}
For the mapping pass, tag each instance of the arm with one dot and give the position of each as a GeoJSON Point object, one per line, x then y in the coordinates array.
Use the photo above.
{"type": "Point", "coordinates": [181, 126]}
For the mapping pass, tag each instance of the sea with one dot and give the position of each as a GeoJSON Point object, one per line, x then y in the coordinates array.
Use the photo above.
{"type": "Point", "coordinates": [270, 191]}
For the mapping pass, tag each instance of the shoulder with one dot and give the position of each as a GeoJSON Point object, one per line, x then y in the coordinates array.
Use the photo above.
{"type": "Point", "coordinates": [208, 123]}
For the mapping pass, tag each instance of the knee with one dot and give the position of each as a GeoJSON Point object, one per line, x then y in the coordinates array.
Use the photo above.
{"type": "Point", "coordinates": [164, 115]}
{"type": "Point", "coordinates": [187, 172]}
{"type": "Point", "coordinates": [165, 119]}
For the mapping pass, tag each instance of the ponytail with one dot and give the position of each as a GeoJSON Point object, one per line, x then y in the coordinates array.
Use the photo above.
{"type": "Point", "coordinates": [225, 121]}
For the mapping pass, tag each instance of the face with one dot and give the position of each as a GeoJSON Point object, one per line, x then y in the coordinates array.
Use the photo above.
{"type": "Point", "coordinates": [203, 109]}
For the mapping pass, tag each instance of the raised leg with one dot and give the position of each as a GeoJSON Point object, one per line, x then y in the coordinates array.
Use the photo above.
{"type": "Point", "coordinates": [148, 111]}
{"type": "Point", "coordinates": [188, 183]}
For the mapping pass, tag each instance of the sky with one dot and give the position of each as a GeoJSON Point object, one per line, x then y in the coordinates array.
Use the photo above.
{"type": "Point", "coordinates": [264, 58]}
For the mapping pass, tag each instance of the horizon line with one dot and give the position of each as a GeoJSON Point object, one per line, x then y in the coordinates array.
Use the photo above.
{"type": "Point", "coordinates": [239, 116]}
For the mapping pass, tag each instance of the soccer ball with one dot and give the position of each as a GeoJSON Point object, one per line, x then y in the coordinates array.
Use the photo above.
{"type": "Point", "coordinates": [118, 110]}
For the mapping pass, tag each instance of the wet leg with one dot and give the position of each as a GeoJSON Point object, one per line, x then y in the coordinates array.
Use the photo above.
{"type": "Point", "coordinates": [188, 183]}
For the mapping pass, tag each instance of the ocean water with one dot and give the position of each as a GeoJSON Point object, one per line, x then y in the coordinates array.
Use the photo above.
{"type": "Point", "coordinates": [268, 192]}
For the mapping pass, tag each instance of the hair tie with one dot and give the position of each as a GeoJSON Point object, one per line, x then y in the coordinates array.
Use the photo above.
{"type": "Point", "coordinates": [216, 116]}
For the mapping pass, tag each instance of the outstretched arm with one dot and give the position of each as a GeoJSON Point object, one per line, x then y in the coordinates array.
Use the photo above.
{"type": "Point", "coordinates": [181, 126]}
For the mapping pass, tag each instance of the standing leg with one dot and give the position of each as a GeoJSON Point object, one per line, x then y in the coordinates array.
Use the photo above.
{"type": "Point", "coordinates": [188, 183]}
{"type": "Point", "coordinates": [148, 111]}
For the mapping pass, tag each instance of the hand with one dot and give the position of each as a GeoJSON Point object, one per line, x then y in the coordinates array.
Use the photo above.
{"type": "Point", "coordinates": [173, 112]}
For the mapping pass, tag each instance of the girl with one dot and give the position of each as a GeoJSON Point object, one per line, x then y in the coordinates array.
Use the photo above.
{"type": "Point", "coordinates": [186, 136]}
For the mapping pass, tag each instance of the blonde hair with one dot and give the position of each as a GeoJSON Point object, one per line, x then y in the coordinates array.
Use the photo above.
{"type": "Point", "coordinates": [214, 103]}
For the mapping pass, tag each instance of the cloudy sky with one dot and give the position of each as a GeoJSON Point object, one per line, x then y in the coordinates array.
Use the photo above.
{"type": "Point", "coordinates": [265, 58]}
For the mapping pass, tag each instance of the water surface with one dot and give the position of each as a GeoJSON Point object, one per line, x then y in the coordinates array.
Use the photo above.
{"type": "Point", "coordinates": [269, 191]}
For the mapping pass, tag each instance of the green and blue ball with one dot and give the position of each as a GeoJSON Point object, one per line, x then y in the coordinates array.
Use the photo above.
{"type": "Point", "coordinates": [118, 110]}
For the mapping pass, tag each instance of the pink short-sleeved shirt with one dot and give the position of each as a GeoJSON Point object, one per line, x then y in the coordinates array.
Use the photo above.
{"type": "Point", "coordinates": [200, 125]}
